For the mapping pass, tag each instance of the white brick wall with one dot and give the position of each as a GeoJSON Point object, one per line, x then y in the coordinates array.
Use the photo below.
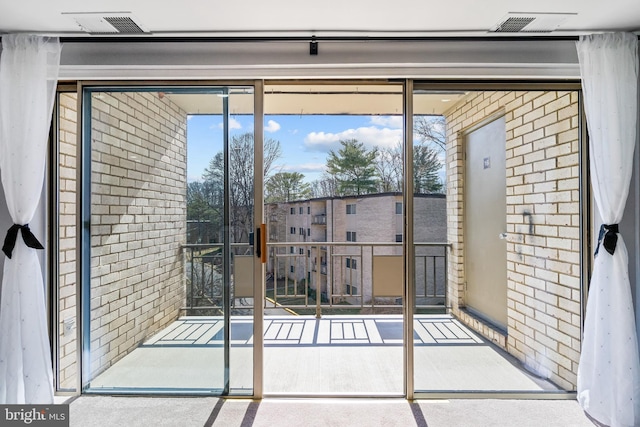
{"type": "Point", "coordinates": [543, 249]}
{"type": "Point", "coordinates": [138, 220]}
{"type": "Point", "coordinates": [67, 238]}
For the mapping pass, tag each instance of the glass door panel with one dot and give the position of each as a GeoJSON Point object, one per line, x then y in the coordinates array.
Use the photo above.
{"type": "Point", "coordinates": [167, 302]}
{"type": "Point", "coordinates": [333, 208]}
{"type": "Point", "coordinates": [496, 241]}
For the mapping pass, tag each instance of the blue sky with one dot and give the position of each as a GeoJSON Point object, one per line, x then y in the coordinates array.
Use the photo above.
{"type": "Point", "coordinates": [305, 140]}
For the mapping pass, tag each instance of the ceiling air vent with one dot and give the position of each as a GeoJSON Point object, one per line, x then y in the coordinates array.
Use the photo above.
{"type": "Point", "coordinates": [108, 22]}
{"type": "Point", "coordinates": [515, 22]}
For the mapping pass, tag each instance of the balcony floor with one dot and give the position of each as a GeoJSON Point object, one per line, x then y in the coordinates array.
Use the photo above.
{"type": "Point", "coordinates": [336, 355]}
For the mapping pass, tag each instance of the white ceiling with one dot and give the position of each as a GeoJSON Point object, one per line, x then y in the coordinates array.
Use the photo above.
{"type": "Point", "coordinates": [325, 17]}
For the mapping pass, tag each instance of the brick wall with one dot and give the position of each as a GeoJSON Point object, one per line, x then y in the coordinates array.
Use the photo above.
{"type": "Point", "coordinates": [543, 244]}
{"type": "Point", "coordinates": [138, 220]}
{"type": "Point", "coordinates": [67, 239]}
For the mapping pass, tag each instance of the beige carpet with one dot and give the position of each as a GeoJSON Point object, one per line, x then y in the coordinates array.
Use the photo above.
{"type": "Point", "coordinates": [97, 411]}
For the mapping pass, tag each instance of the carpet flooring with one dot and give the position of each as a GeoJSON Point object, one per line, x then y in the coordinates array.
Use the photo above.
{"type": "Point", "coordinates": [98, 411]}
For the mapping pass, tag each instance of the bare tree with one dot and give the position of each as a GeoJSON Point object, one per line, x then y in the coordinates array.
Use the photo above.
{"type": "Point", "coordinates": [326, 186]}
{"type": "Point", "coordinates": [432, 131]}
{"type": "Point", "coordinates": [426, 168]}
{"type": "Point", "coordinates": [389, 168]}
{"type": "Point", "coordinates": [204, 212]}
{"type": "Point", "coordinates": [241, 185]}
{"type": "Point", "coordinates": [272, 152]}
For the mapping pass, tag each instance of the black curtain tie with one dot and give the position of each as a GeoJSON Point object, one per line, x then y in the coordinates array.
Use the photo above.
{"type": "Point", "coordinates": [608, 237]}
{"type": "Point", "coordinates": [12, 235]}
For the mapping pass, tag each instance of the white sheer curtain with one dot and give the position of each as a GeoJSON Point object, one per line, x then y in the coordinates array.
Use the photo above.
{"type": "Point", "coordinates": [609, 370]}
{"type": "Point", "coordinates": [28, 77]}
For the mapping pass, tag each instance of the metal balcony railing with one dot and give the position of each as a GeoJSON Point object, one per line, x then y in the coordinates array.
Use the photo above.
{"type": "Point", "coordinates": [323, 266]}
{"type": "Point", "coordinates": [353, 278]}
{"type": "Point", "coordinates": [319, 219]}
{"type": "Point", "coordinates": [203, 276]}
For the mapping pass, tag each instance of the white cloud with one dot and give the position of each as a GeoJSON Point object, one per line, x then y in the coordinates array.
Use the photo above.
{"type": "Point", "coordinates": [303, 167]}
{"type": "Point", "coordinates": [395, 122]}
{"type": "Point", "coordinates": [233, 124]}
{"type": "Point", "coordinates": [370, 136]}
{"type": "Point", "coordinates": [272, 126]}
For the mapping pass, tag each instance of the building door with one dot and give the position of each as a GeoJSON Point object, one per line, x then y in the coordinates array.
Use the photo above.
{"type": "Point", "coordinates": [485, 222]}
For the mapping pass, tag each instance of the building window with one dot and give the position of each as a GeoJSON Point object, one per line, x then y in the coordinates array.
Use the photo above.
{"type": "Point", "coordinates": [292, 250]}
{"type": "Point", "coordinates": [291, 268]}
{"type": "Point", "coordinates": [301, 251]}
{"type": "Point", "coordinates": [293, 211]}
{"type": "Point", "coordinates": [292, 230]}
{"type": "Point", "coordinates": [351, 236]}
{"type": "Point", "coordinates": [398, 237]}
{"type": "Point", "coordinates": [308, 232]}
{"type": "Point", "coordinates": [351, 290]}
{"type": "Point", "coordinates": [351, 209]}
{"type": "Point", "coordinates": [301, 231]}
{"type": "Point", "coordinates": [309, 210]}
{"type": "Point", "coordinates": [308, 253]}
{"type": "Point", "coordinates": [301, 210]}
{"type": "Point", "coordinates": [351, 263]}
{"type": "Point", "coordinates": [398, 208]}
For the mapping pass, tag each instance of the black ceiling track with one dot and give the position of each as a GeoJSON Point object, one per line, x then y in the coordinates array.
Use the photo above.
{"type": "Point", "coordinates": [256, 39]}
{"type": "Point", "coordinates": [311, 38]}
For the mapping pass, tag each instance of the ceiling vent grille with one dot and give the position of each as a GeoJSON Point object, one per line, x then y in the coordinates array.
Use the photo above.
{"type": "Point", "coordinates": [108, 23]}
{"type": "Point", "coordinates": [124, 24]}
{"type": "Point", "coordinates": [513, 25]}
{"type": "Point", "coordinates": [515, 22]}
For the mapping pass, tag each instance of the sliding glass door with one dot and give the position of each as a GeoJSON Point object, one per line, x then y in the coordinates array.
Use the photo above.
{"type": "Point", "coordinates": [167, 222]}
{"type": "Point", "coordinates": [369, 275]}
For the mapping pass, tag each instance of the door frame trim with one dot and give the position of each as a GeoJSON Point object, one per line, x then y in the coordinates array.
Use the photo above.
{"type": "Point", "coordinates": [408, 247]}
{"type": "Point", "coordinates": [258, 211]}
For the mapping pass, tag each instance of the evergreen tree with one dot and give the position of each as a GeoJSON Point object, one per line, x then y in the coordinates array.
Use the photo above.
{"type": "Point", "coordinates": [426, 166]}
{"type": "Point", "coordinates": [354, 167]}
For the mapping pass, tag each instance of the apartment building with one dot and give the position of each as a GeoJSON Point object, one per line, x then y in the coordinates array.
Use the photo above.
{"type": "Point", "coordinates": [371, 225]}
